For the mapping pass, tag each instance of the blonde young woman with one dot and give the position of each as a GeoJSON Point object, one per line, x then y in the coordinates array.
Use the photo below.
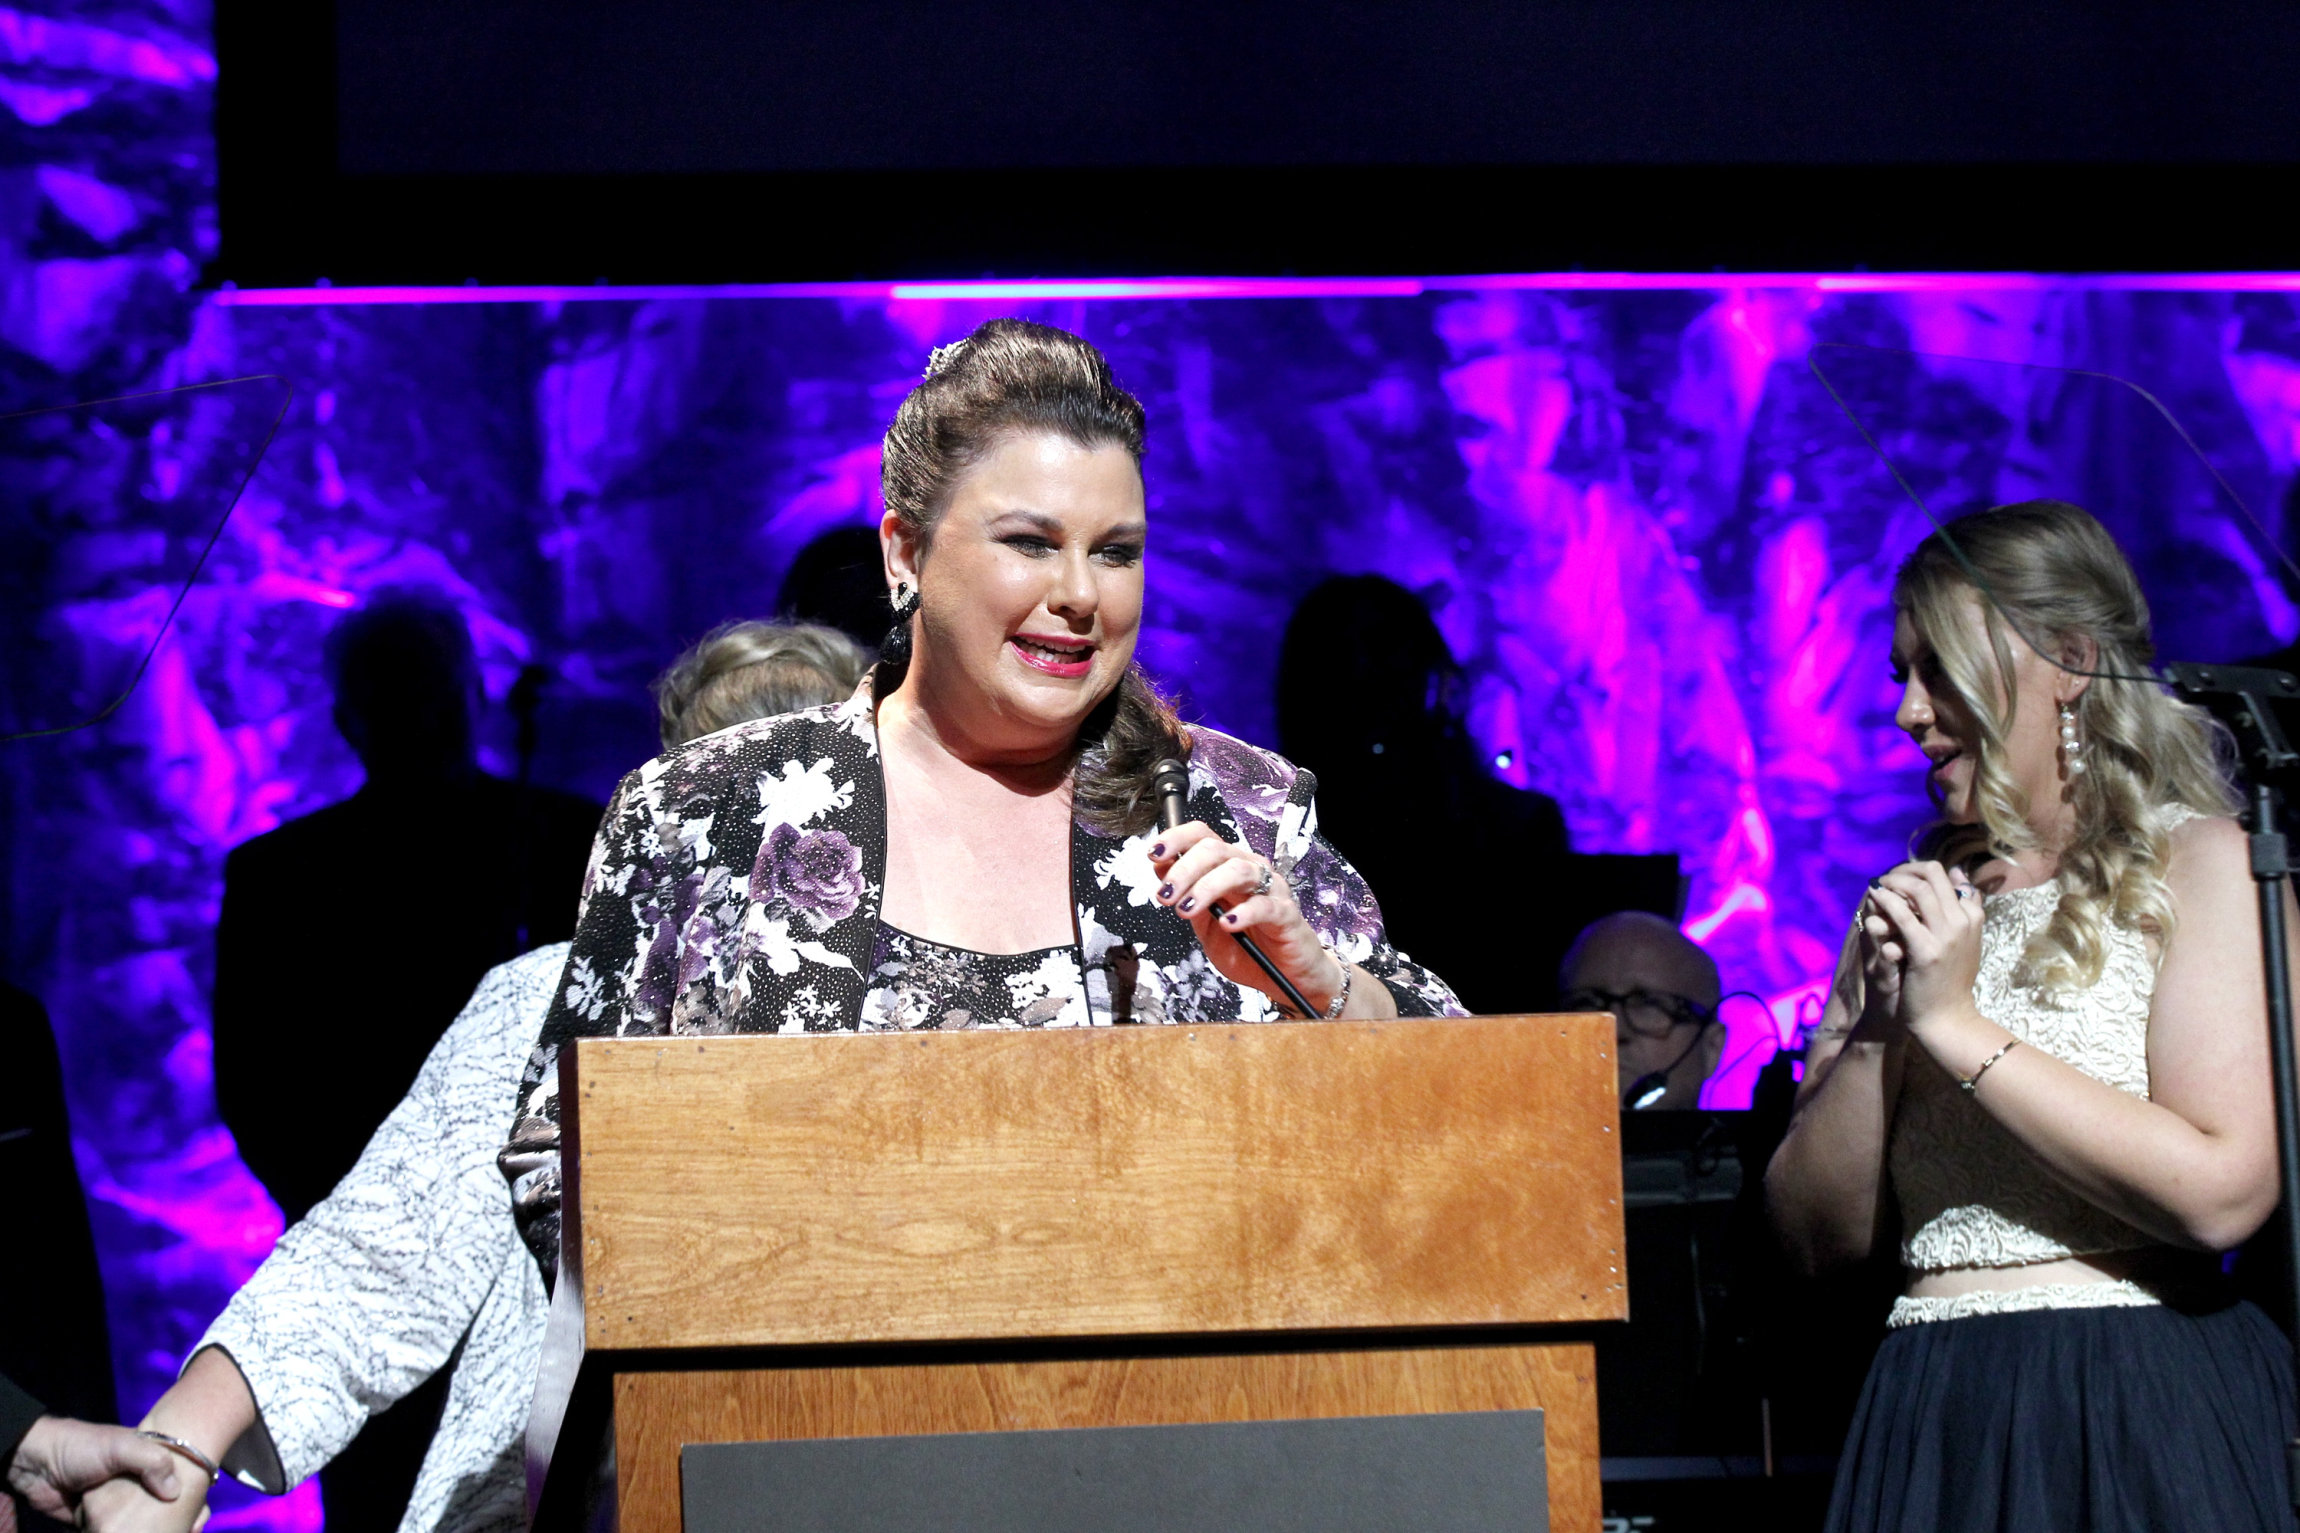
{"type": "Point", "coordinates": [2047, 1046]}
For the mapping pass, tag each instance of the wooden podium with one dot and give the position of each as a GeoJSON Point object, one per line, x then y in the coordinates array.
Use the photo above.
{"type": "Point", "coordinates": [841, 1236]}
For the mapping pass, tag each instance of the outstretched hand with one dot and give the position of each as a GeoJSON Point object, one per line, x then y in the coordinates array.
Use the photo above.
{"type": "Point", "coordinates": [61, 1461]}
{"type": "Point", "coordinates": [1198, 870]}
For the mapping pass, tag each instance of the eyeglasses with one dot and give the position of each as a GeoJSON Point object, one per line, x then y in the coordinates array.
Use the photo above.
{"type": "Point", "coordinates": [1647, 1013]}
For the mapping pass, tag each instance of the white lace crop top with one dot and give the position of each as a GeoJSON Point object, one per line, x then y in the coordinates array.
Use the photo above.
{"type": "Point", "coordinates": [1970, 1194]}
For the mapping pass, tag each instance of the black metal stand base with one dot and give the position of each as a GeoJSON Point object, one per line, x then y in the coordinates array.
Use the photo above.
{"type": "Point", "coordinates": [2242, 699]}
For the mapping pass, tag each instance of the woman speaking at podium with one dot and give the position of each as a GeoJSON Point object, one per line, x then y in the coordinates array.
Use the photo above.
{"type": "Point", "coordinates": [972, 840]}
{"type": "Point", "coordinates": [2048, 1040]}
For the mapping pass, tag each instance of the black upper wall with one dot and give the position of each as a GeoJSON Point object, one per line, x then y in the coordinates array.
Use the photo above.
{"type": "Point", "coordinates": [572, 140]}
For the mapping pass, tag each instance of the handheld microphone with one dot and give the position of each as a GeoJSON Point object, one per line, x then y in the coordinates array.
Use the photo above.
{"type": "Point", "coordinates": [1170, 780]}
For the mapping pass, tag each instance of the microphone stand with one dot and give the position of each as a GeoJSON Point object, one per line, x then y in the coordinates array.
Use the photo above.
{"type": "Point", "coordinates": [2240, 697]}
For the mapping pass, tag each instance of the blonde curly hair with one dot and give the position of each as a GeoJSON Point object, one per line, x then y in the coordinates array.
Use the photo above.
{"type": "Point", "coordinates": [2052, 576]}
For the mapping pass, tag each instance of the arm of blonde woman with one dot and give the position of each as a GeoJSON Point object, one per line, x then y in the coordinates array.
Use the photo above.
{"type": "Point", "coordinates": [1201, 870]}
{"type": "Point", "coordinates": [2193, 1163]}
{"type": "Point", "coordinates": [1825, 1188]}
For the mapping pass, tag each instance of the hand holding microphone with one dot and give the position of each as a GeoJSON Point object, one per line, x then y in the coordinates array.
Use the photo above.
{"type": "Point", "coordinates": [1226, 892]}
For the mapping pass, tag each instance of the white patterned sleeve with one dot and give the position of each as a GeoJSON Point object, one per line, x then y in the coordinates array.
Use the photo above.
{"type": "Point", "coordinates": [368, 1295]}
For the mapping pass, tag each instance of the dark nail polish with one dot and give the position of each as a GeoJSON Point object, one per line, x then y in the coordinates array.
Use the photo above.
{"type": "Point", "coordinates": [1233, 920]}
{"type": "Point", "coordinates": [1188, 905]}
{"type": "Point", "coordinates": [1159, 850]}
{"type": "Point", "coordinates": [1165, 891]}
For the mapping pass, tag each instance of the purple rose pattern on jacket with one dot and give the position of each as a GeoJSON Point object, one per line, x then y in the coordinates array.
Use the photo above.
{"type": "Point", "coordinates": [817, 874]}
{"type": "Point", "coordinates": [736, 882]}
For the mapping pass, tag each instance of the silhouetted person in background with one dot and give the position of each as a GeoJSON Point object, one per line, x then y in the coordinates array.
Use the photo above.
{"type": "Point", "coordinates": [53, 1341]}
{"type": "Point", "coordinates": [351, 937]}
{"type": "Point", "coordinates": [839, 581]}
{"type": "Point", "coordinates": [1372, 700]}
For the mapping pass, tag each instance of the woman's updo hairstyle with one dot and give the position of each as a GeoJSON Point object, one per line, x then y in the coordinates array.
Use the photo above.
{"type": "Point", "coordinates": [2051, 574]}
{"type": "Point", "coordinates": [1012, 377]}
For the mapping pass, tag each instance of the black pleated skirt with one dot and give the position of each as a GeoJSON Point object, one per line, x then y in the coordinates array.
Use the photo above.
{"type": "Point", "coordinates": [2135, 1420]}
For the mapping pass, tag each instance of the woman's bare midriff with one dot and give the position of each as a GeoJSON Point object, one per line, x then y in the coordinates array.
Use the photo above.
{"type": "Point", "coordinates": [2151, 1267]}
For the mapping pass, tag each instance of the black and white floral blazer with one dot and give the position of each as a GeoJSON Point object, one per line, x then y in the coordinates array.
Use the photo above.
{"type": "Point", "coordinates": [735, 887]}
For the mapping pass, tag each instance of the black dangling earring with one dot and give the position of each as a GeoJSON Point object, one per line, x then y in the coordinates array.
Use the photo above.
{"type": "Point", "coordinates": [894, 651]}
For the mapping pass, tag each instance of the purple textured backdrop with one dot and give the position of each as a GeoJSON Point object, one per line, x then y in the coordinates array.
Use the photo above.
{"type": "Point", "coordinates": [1646, 530]}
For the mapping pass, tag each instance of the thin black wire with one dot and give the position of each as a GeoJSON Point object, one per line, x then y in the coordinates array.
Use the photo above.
{"type": "Point", "coordinates": [1813, 364]}
{"type": "Point", "coordinates": [1772, 1029]}
{"type": "Point", "coordinates": [206, 548]}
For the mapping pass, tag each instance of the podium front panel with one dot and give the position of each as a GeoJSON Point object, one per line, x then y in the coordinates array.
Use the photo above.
{"type": "Point", "coordinates": [1185, 1180]}
{"type": "Point", "coordinates": [1449, 1472]}
{"type": "Point", "coordinates": [658, 1415]}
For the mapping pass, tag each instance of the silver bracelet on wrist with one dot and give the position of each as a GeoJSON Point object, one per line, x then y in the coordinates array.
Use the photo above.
{"type": "Point", "coordinates": [1967, 1082]}
{"type": "Point", "coordinates": [184, 1449]}
{"type": "Point", "coordinates": [1341, 996]}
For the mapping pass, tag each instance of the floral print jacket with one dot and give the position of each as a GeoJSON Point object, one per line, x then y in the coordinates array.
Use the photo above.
{"type": "Point", "coordinates": [735, 885]}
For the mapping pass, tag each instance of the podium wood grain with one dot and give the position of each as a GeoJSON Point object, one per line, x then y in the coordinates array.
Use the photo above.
{"type": "Point", "coordinates": [657, 1413]}
{"type": "Point", "coordinates": [974, 1186]}
{"type": "Point", "coordinates": [1117, 1226]}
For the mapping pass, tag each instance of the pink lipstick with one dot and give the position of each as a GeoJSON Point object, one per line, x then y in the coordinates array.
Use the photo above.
{"type": "Point", "coordinates": [1055, 656]}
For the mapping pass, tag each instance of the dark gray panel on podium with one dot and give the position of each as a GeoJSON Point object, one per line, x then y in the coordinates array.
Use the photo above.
{"type": "Point", "coordinates": [1467, 1472]}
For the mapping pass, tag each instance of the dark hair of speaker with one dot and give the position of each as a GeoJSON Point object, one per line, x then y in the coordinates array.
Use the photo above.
{"type": "Point", "coordinates": [1009, 377]}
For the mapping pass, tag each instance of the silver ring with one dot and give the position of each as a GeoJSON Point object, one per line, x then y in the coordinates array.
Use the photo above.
{"type": "Point", "coordinates": [1964, 891]}
{"type": "Point", "coordinates": [1268, 873]}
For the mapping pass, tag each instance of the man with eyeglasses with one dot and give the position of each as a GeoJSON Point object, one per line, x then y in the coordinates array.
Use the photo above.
{"type": "Point", "coordinates": [1663, 993]}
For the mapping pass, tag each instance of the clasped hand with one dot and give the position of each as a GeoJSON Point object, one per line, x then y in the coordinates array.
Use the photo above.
{"type": "Point", "coordinates": [1920, 946]}
{"type": "Point", "coordinates": [107, 1478]}
{"type": "Point", "coordinates": [124, 1506]}
{"type": "Point", "coordinates": [1198, 870]}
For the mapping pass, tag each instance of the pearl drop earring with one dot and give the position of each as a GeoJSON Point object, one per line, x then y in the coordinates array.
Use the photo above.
{"type": "Point", "coordinates": [2071, 748]}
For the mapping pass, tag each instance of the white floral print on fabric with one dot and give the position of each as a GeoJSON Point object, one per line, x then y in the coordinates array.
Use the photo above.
{"type": "Point", "coordinates": [857, 717]}
{"type": "Point", "coordinates": [1129, 870]}
{"type": "Point", "coordinates": [801, 795]}
{"type": "Point", "coordinates": [1192, 983]}
{"type": "Point", "coordinates": [917, 984]}
{"type": "Point", "coordinates": [1297, 828]}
